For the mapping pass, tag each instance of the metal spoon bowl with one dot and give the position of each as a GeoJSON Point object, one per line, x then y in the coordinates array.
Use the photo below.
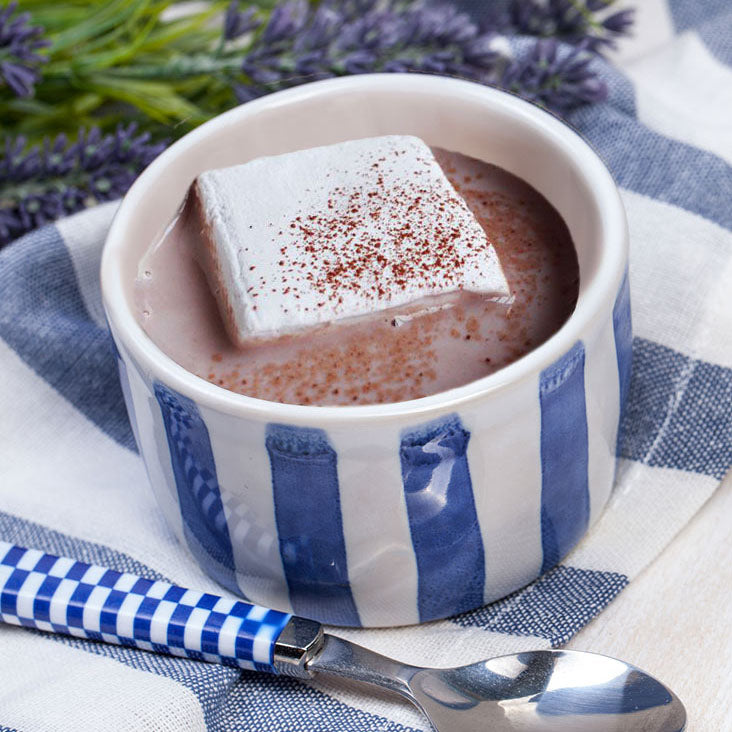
{"type": "Point", "coordinates": [533, 690]}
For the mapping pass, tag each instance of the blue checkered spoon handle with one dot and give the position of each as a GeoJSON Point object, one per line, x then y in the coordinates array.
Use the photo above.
{"type": "Point", "coordinates": [61, 595]}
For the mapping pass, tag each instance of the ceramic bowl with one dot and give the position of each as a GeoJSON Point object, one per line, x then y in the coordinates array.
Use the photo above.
{"type": "Point", "coordinates": [397, 513]}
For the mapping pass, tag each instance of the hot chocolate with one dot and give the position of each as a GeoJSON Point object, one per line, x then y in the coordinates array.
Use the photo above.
{"type": "Point", "coordinates": [384, 357]}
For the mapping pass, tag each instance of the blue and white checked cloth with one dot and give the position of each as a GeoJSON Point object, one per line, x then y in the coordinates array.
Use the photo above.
{"type": "Point", "coordinates": [71, 482]}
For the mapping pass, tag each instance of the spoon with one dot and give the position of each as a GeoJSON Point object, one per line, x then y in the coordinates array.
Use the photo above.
{"type": "Point", "coordinates": [534, 690]}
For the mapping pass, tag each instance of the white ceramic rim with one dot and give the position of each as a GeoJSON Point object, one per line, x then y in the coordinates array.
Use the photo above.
{"type": "Point", "coordinates": [592, 302]}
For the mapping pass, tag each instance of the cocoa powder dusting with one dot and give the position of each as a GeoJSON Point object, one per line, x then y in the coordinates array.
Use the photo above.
{"type": "Point", "coordinates": [318, 262]}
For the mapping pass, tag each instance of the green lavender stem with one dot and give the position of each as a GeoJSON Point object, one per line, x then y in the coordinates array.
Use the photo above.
{"type": "Point", "coordinates": [179, 68]}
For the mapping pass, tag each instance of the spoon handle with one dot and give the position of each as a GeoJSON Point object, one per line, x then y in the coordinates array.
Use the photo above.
{"type": "Point", "coordinates": [61, 595]}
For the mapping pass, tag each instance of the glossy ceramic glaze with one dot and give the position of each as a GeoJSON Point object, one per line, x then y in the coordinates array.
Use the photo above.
{"type": "Point", "coordinates": [397, 513]}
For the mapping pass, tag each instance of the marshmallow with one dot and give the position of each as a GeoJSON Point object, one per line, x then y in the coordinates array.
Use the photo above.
{"type": "Point", "coordinates": [293, 242]}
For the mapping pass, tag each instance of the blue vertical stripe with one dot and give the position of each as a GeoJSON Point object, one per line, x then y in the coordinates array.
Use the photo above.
{"type": "Point", "coordinates": [622, 327]}
{"type": "Point", "coordinates": [13, 556]}
{"type": "Point", "coordinates": [45, 563]}
{"type": "Point", "coordinates": [692, 13]}
{"type": "Point", "coordinates": [44, 320]}
{"type": "Point", "coordinates": [42, 600]}
{"type": "Point", "coordinates": [715, 35]}
{"type": "Point", "coordinates": [678, 412]}
{"type": "Point", "coordinates": [244, 645]}
{"type": "Point", "coordinates": [124, 381]}
{"type": "Point", "coordinates": [210, 633]}
{"type": "Point", "coordinates": [194, 470]}
{"type": "Point", "coordinates": [443, 520]}
{"type": "Point", "coordinates": [110, 610]}
{"type": "Point", "coordinates": [75, 608]}
{"type": "Point", "coordinates": [565, 496]}
{"type": "Point", "coordinates": [649, 163]}
{"type": "Point", "coordinates": [143, 619]}
{"type": "Point", "coordinates": [9, 594]}
{"type": "Point", "coordinates": [310, 524]}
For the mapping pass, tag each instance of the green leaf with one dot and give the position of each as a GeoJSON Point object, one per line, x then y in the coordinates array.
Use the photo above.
{"type": "Point", "coordinates": [157, 100]}
{"type": "Point", "coordinates": [109, 17]}
{"type": "Point", "coordinates": [115, 61]}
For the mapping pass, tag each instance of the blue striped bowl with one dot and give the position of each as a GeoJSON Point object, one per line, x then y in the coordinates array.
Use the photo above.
{"type": "Point", "coordinates": [400, 513]}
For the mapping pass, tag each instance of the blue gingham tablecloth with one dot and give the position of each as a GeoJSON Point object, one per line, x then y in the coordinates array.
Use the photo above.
{"type": "Point", "coordinates": [71, 481]}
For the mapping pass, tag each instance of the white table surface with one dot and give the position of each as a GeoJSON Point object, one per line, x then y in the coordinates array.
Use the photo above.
{"type": "Point", "coordinates": [675, 619]}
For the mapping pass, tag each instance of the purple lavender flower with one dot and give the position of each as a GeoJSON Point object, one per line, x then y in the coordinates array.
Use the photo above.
{"type": "Point", "coordinates": [237, 23]}
{"type": "Point", "coordinates": [58, 178]}
{"type": "Point", "coordinates": [555, 75]}
{"type": "Point", "coordinates": [571, 21]}
{"type": "Point", "coordinates": [302, 42]}
{"type": "Point", "coordinates": [19, 46]}
{"type": "Point", "coordinates": [619, 23]}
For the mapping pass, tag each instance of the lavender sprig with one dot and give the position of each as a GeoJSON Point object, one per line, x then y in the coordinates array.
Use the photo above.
{"type": "Point", "coordinates": [19, 46]}
{"type": "Point", "coordinates": [58, 178]}
{"type": "Point", "coordinates": [302, 42]}
{"type": "Point", "coordinates": [237, 23]}
{"type": "Point", "coordinates": [572, 21]}
{"type": "Point", "coordinates": [555, 76]}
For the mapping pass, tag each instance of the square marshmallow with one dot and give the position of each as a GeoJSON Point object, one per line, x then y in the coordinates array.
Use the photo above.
{"type": "Point", "coordinates": [296, 241]}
